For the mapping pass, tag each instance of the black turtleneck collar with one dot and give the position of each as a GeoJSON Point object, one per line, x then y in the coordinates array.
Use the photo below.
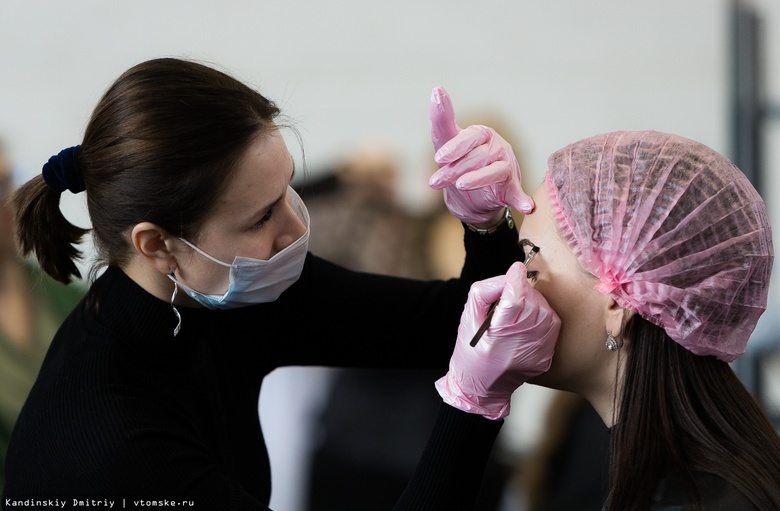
{"type": "Point", "coordinates": [140, 318]}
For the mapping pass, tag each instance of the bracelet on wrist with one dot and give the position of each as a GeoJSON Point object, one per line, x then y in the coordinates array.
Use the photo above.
{"type": "Point", "coordinates": [505, 218]}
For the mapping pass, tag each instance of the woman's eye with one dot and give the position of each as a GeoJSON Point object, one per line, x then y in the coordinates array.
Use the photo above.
{"type": "Point", "coordinates": [263, 220]}
{"type": "Point", "coordinates": [532, 275]}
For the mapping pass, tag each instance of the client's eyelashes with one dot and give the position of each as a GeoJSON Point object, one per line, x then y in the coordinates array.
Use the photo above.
{"type": "Point", "coordinates": [529, 252]}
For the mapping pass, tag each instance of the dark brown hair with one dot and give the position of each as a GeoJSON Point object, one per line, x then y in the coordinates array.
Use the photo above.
{"type": "Point", "coordinates": [161, 146]}
{"type": "Point", "coordinates": [679, 412]}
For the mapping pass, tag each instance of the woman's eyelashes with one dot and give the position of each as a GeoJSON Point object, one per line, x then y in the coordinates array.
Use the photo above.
{"type": "Point", "coordinates": [269, 213]}
{"type": "Point", "coordinates": [263, 220]}
{"type": "Point", "coordinates": [532, 275]}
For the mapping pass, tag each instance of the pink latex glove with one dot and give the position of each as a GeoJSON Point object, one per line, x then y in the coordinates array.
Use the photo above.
{"type": "Point", "coordinates": [518, 345]}
{"type": "Point", "coordinates": [477, 167]}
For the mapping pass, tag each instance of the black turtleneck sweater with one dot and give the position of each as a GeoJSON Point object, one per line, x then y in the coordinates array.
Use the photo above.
{"type": "Point", "coordinates": [124, 411]}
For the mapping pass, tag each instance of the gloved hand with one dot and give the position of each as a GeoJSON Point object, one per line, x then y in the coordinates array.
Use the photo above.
{"type": "Point", "coordinates": [518, 345]}
{"type": "Point", "coordinates": [477, 168]}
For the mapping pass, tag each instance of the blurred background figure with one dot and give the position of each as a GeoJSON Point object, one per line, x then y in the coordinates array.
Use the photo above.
{"type": "Point", "coordinates": [32, 306]}
{"type": "Point", "coordinates": [374, 425]}
{"type": "Point", "coordinates": [362, 225]}
{"type": "Point", "coordinates": [566, 470]}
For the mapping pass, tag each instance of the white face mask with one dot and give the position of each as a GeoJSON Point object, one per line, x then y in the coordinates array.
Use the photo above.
{"type": "Point", "coordinates": [254, 280]}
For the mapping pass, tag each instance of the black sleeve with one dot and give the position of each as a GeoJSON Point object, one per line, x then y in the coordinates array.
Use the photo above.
{"type": "Point", "coordinates": [488, 255]}
{"type": "Point", "coordinates": [449, 475]}
{"type": "Point", "coordinates": [337, 317]}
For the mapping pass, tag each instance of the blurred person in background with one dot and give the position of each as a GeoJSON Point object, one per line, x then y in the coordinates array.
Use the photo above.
{"type": "Point", "coordinates": [374, 424]}
{"type": "Point", "coordinates": [32, 307]}
{"type": "Point", "coordinates": [566, 469]}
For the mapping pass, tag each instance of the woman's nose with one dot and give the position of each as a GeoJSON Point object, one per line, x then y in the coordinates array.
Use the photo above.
{"type": "Point", "coordinates": [293, 229]}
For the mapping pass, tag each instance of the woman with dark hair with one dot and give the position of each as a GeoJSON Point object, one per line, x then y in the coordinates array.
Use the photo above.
{"type": "Point", "coordinates": [656, 252]}
{"type": "Point", "coordinates": [149, 390]}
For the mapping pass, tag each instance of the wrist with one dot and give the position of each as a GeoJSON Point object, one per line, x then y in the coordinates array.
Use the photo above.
{"type": "Point", "coordinates": [505, 217]}
{"type": "Point", "coordinates": [492, 407]}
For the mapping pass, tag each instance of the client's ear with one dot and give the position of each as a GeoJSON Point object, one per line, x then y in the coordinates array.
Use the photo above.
{"type": "Point", "coordinates": [616, 318]}
{"type": "Point", "coordinates": [154, 244]}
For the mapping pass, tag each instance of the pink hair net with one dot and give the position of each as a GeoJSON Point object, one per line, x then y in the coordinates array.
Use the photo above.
{"type": "Point", "coordinates": [673, 230]}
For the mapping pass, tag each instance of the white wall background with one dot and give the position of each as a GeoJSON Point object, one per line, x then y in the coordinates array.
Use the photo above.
{"type": "Point", "coordinates": [353, 72]}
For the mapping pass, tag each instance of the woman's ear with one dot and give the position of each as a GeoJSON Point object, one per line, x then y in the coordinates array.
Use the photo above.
{"type": "Point", "coordinates": [616, 318]}
{"type": "Point", "coordinates": [154, 244]}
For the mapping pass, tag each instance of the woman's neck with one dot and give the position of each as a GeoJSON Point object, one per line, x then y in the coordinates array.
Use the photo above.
{"type": "Point", "coordinates": [603, 391]}
{"type": "Point", "coordinates": [604, 404]}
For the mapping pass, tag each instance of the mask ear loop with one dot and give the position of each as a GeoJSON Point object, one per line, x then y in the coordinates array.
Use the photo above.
{"type": "Point", "coordinates": [172, 276]}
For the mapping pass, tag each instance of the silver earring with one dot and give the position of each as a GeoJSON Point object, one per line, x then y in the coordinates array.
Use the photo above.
{"type": "Point", "coordinates": [612, 344]}
{"type": "Point", "coordinates": [173, 297]}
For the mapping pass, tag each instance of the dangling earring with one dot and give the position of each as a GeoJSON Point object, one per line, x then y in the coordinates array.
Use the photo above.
{"type": "Point", "coordinates": [612, 344]}
{"type": "Point", "coordinates": [172, 276]}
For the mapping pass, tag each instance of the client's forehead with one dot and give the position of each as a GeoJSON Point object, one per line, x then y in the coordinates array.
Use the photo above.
{"type": "Point", "coordinates": [539, 225]}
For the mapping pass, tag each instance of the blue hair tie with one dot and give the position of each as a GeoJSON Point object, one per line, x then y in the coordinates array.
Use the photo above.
{"type": "Point", "coordinates": [62, 171]}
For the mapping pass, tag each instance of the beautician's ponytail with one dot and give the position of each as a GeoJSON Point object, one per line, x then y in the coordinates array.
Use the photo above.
{"type": "Point", "coordinates": [43, 229]}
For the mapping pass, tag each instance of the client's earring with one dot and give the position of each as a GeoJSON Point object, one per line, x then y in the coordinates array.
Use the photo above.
{"type": "Point", "coordinates": [172, 276]}
{"type": "Point", "coordinates": [612, 344]}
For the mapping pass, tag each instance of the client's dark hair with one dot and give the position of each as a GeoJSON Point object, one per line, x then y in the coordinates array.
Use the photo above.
{"type": "Point", "coordinates": [683, 412]}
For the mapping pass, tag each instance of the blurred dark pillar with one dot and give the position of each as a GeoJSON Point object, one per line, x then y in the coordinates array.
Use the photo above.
{"type": "Point", "coordinates": [747, 95]}
{"type": "Point", "coordinates": [750, 114]}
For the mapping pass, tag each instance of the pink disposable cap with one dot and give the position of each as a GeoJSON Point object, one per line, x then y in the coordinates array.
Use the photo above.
{"type": "Point", "coordinates": [674, 231]}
